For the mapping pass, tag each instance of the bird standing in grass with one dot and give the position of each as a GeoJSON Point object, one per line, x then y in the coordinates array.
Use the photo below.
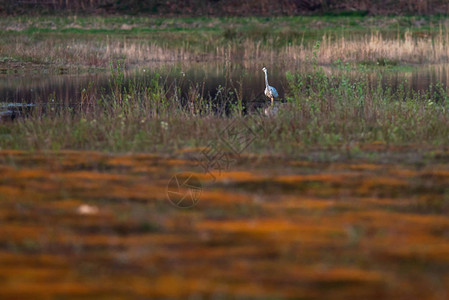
{"type": "Point", "coordinates": [270, 91]}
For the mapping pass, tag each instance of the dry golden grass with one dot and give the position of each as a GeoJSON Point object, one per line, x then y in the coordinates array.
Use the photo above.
{"type": "Point", "coordinates": [372, 47]}
{"type": "Point", "coordinates": [297, 229]}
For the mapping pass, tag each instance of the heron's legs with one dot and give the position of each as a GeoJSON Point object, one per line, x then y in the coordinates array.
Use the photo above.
{"type": "Point", "coordinates": [272, 103]}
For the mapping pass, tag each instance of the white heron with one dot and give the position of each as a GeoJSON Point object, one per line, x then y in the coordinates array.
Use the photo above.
{"type": "Point", "coordinates": [270, 91]}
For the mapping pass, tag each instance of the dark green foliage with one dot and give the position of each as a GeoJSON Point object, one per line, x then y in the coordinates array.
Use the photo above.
{"type": "Point", "coordinates": [228, 7]}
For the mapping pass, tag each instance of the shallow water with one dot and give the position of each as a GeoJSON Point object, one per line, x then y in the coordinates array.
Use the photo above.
{"type": "Point", "coordinates": [245, 78]}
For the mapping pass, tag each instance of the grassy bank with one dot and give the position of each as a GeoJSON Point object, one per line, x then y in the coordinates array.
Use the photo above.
{"type": "Point", "coordinates": [72, 42]}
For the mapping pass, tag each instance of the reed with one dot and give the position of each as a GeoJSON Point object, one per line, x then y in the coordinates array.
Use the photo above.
{"type": "Point", "coordinates": [374, 47]}
{"type": "Point", "coordinates": [94, 41]}
{"type": "Point", "coordinates": [371, 48]}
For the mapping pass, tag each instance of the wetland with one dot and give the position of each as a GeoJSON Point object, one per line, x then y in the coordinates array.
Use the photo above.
{"type": "Point", "coordinates": [342, 193]}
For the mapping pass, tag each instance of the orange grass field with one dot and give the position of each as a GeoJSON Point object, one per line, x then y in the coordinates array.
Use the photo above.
{"type": "Point", "coordinates": [90, 225]}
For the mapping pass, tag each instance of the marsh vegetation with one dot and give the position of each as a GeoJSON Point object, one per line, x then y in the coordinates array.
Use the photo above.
{"type": "Point", "coordinates": [321, 108]}
{"type": "Point", "coordinates": [338, 111]}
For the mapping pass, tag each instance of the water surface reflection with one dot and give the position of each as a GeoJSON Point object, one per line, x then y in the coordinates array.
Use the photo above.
{"type": "Point", "coordinates": [245, 79]}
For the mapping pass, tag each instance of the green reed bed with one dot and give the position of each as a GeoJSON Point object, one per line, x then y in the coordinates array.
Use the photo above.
{"type": "Point", "coordinates": [328, 112]}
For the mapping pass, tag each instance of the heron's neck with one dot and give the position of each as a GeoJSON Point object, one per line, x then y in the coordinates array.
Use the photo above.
{"type": "Point", "coordinates": [266, 79]}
